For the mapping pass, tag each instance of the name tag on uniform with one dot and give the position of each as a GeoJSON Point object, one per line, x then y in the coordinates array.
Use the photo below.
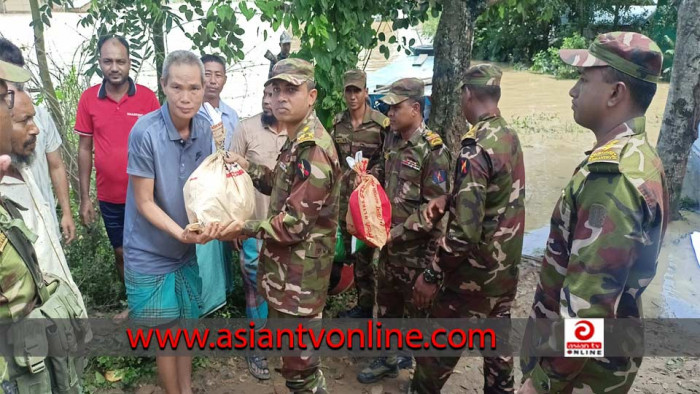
{"type": "Point", "coordinates": [411, 164]}
{"type": "Point", "coordinates": [283, 166]}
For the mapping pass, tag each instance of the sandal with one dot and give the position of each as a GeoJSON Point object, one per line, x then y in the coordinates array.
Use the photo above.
{"type": "Point", "coordinates": [257, 366]}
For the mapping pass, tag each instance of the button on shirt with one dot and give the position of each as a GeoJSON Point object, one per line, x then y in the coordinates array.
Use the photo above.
{"type": "Point", "coordinates": [229, 117]}
{"type": "Point", "coordinates": [109, 123]}
{"type": "Point", "coordinates": [156, 151]}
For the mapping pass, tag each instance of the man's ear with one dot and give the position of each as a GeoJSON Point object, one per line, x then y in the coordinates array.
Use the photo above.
{"type": "Point", "coordinates": [618, 93]}
{"type": "Point", "coordinates": [313, 93]}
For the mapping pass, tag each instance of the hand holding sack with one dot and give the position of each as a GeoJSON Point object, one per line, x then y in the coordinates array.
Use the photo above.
{"type": "Point", "coordinates": [218, 192]}
{"type": "Point", "coordinates": [369, 209]}
{"type": "Point", "coordinates": [217, 129]}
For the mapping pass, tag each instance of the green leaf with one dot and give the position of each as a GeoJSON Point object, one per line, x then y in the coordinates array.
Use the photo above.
{"type": "Point", "coordinates": [411, 42]}
{"type": "Point", "coordinates": [210, 28]}
{"type": "Point", "coordinates": [247, 12]}
{"type": "Point", "coordinates": [381, 36]}
{"type": "Point", "coordinates": [392, 40]}
{"type": "Point", "coordinates": [189, 14]}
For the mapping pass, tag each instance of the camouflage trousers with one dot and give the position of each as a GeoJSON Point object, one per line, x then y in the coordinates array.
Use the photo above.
{"type": "Point", "coordinates": [432, 372]}
{"type": "Point", "coordinates": [364, 272]}
{"type": "Point", "coordinates": [395, 290]}
{"type": "Point", "coordinates": [303, 371]}
{"type": "Point", "coordinates": [604, 375]}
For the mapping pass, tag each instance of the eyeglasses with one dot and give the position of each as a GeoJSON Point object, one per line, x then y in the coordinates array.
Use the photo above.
{"type": "Point", "coordinates": [9, 98]}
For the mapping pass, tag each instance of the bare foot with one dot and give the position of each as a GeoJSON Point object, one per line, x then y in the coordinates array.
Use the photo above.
{"type": "Point", "coordinates": [120, 317]}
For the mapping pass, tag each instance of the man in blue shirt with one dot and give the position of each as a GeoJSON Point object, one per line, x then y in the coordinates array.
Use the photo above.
{"type": "Point", "coordinates": [214, 81]}
{"type": "Point", "coordinates": [161, 272]}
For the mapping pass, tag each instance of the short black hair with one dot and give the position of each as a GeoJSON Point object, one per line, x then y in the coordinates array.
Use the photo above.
{"type": "Point", "coordinates": [108, 37]}
{"type": "Point", "coordinates": [10, 53]}
{"type": "Point", "coordinates": [488, 92]}
{"type": "Point", "coordinates": [641, 92]}
{"type": "Point", "coordinates": [421, 103]}
{"type": "Point", "coordinates": [208, 58]}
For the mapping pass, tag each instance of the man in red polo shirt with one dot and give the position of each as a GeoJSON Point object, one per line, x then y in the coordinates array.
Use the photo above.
{"type": "Point", "coordinates": [106, 114]}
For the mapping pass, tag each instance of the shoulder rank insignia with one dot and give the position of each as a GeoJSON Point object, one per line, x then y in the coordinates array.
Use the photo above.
{"type": "Point", "coordinates": [3, 242]}
{"type": "Point", "coordinates": [471, 134]}
{"type": "Point", "coordinates": [306, 136]}
{"type": "Point", "coordinates": [433, 138]}
{"type": "Point", "coordinates": [385, 123]}
{"type": "Point", "coordinates": [607, 157]}
{"type": "Point", "coordinates": [609, 153]}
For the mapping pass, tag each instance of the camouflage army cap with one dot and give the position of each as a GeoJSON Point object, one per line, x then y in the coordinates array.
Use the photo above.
{"type": "Point", "coordinates": [631, 53]}
{"type": "Point", "coordinates": [11, 73]}
{"type": "Point", "coordinates": [295, 71]}
{"type": "Point", "coordinates": [356, 78]}
{"type": "Point", "coordinates": [482, 75]}
{"type": "Point", "coordinates": [403, 89]}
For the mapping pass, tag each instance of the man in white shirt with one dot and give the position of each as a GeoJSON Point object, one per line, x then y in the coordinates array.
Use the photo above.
{"type": "Point", "coordinates": [48, 168]}
{"type": "Point", "coordinates": [19, 186]}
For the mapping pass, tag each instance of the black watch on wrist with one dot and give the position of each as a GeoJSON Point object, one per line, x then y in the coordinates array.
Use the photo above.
{"type": "Point", "coordinates": [431, 276]}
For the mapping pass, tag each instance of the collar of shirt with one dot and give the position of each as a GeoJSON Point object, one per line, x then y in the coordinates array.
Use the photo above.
{"type": "Point", "coordinates": [102, 93]}
{"type": "Point", "coordinates": [366, 118]}
{"type": "Point", "coordinates": [417, 135]}
{"type": "Point", "coordinates": [631, 127]}
{"type": "Point", "coordinates": [172, 131]}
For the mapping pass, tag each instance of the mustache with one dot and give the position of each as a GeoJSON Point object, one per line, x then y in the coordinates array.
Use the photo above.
{"type": "Point", "coordinates": [30, 141]}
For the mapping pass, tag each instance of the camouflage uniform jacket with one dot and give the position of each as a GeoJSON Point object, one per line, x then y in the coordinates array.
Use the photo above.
{"type": "Point", "coordinates": [368, 138]}
{"type": "Point", "coordinates": [299, 233]}
{"type": "Point", "coordinates": [413, 173]}
{"type": "Point", "coordinates": [22, 286]}
{"type": "Point", "coordinates": [605, 237]}
{"type": "Point", "coordinates": [481, 249]}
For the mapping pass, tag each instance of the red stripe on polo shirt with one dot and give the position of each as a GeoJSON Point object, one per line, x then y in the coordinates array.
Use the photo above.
{"type": "Point", "coordinates": [109, 124]}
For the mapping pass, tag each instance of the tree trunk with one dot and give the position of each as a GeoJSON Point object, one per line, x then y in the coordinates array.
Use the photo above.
{"type": "Point", "coordinates": [679, 128]}
{"type": "Point", "coordinates": [159, 51]}
{"type": "Point", "coordinates": [453, 51]}
{"type": "Point", "coordinates": [453, 47]}
{"type": "Point", "coordinates": [47, 84]}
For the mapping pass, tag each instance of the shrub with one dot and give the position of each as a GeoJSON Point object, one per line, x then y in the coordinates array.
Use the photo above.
{"type": "Point", "coordinates": [548, 61]}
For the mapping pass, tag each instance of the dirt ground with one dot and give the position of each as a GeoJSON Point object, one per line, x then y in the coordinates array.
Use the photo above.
{"type": "Point", "coordinates": [657, 375]}
{"type": "Point", "coordinates": [539, 108]}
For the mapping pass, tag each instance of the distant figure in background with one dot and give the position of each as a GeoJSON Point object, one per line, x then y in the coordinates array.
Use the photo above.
{"type": "Point", "coordinates": [285, 47]}
{"type": "Point", "coordinates": [214, 82]}
{"type": "Point", "coordinates": [48, 161]}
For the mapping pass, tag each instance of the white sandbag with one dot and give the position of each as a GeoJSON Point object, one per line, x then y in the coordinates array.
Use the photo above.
{"type": "Point", "coordinates": [218, 192]}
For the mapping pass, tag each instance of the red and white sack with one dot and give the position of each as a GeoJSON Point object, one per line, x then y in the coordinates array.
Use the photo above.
{"type": "Point", "coordinates": [369, 208]}
{"type": "Point", "coordinates": [218, 192]}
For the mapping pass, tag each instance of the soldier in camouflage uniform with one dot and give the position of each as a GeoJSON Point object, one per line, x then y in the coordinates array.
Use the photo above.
{"type": "Point", "coordinates": [608, 225]}
{"type": "Point", "coordinates": [359, 128]}
{"type": "Point", "coordinates": [26, 294]}
{"type": "Point", "coordinates": [479, 254]}
{"type": "Point", "coordinates": [299, 234]}
{"type": "Point", "coordinates": [414, 171]}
